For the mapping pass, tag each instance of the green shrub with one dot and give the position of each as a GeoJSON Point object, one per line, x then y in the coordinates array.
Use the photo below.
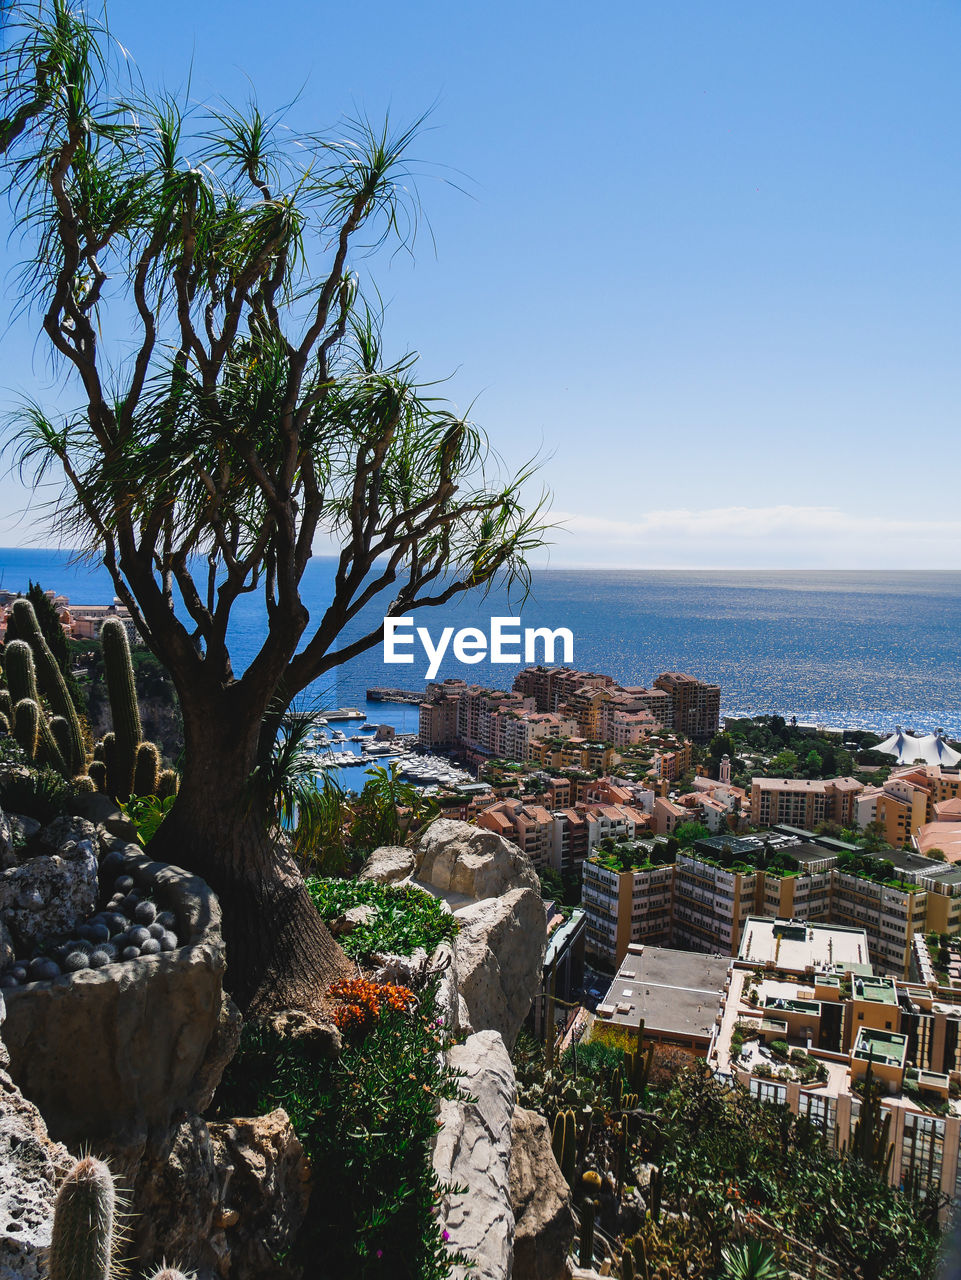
{"type": "Point", "coordinates": [43, 794]}
{"type": "Point", "coordinates": [367, 1122]}
{"type": "Point", "coordinates": [779, 1048]}
{"type": "Point", "coordinates": [403, 919]}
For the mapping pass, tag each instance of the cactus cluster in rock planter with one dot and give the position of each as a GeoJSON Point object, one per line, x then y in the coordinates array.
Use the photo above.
{"type": "Point", "coordinates": [128, 925]}
{"type": "Point", "coordinates": [122, 763]}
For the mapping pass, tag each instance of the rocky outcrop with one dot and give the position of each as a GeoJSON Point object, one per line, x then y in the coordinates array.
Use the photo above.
{"type": "Point", "coordinates": [544, 1221]}
{"type": "Point", "coordinates": [391, 864]}
{"type": "Point", "coordinates": [31, 1168]}
{"type": "Point", "coordinates": [51, 892]}
{"type": "Point", "coordinates": [155, 1032]}
{"type": "Point", "coordinates": [458, 858]}
{"type": "Point", "coordinates": [499, 958]}
{"type": "Point", "coordinates": [8, 856]}
{"type": "Point", "coordinates": [473, 1149]}
{"type": "Point", "coordinates": [265, 1192]}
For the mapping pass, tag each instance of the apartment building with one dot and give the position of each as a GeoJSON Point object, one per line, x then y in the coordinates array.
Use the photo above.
{"type": "Point", "coordinates": [804, 802]}
{"type": "Point", "coordinates": [696, 706]}
{"type": "Point", "coordinates": [723, 880]}
{"type": "Point", "coordinates": [529, 826]}
{"type": "Point", "coordinates": [910, 799]}
{"type": "Point", "coordinates": [810, 986]}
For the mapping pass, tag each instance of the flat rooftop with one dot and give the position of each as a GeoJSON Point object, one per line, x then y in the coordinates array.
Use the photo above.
{"type": "Point", "coordinates": [677, 993]}
{"type": "Point", "coordinates": [887, 1047]}
{"type": "Point", "coordinates": [794, 945]}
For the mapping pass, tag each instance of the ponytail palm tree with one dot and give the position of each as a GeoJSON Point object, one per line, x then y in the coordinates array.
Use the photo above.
{"type": "Point", "coordinates": [191, 269]}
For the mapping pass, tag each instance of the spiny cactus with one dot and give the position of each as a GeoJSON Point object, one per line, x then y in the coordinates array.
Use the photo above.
{"type": "Point", "coordinates": [20, 672]}
{"type": "Point", "coordinates": [627, 1264]}
{"type": "Point", "coordinates": [26, 727]}
{"type": "Point", "coordinates": [4, 723]}
{"type": "Point", "coordinates": [146, 776]}
{"type": "Point", "coordinates": [654, 1189]}
{"type": "Point", "coordinates": [6, 704]}
{"type": "Point", "coordinates": [52, 685]}
{"type": "Point", "coordinates": [98, 775]}
{"type": "Point", "coordinates": [585, 1254]}
{"type": "Point", "coordinates": [83, 782]}
{"type": "Point", "coordinates": [81, 1242]}
{"type": "Point", "coordinates": [170, 1273]}
{"type": "Point", "coordinates": [564, 1143]}
{"type": "Point", "coordinates": [22, 681]}
{"type": "Point", "coordinates": [122, 692]}
{"type": "Point", "coordinates": [167, 784]}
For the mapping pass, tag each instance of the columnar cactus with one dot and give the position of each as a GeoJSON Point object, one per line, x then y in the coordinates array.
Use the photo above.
{"type": "Point", "coordinates": [52, 684]}
{"type": "Point", "coordinates": [585, 1255]}
{"type": "Point", "coordinates": [122, 692]}
{"type": "Point", "coordinates": [146, 777]}
{"type": "Point", "coordinates": [26, 727]}
{"type": "Point", "coordinates": [6, 704]}
{"type": "Point", "coordinates": [20, 672]}
{"type": "Point", "coordinates": [22, 682]}
{"type": "Point", "coordinates": [98, 775]}
{"type": "Point", "coordinates": [82, 1239]}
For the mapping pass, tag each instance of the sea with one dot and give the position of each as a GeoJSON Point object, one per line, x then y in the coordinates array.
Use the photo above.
{"type": "Point", "coordinates": [857, 649]}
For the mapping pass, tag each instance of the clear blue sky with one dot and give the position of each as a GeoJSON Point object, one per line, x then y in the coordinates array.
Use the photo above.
{"type": "Point", "coordinates": [709, 260]}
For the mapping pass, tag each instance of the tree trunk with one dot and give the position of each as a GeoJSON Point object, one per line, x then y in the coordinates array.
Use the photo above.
{"type": "Point", "coordinates": [280, 954]}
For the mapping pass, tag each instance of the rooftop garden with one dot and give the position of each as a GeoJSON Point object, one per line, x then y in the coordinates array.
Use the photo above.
{"type": "Point", "coordinates": [634, 855]}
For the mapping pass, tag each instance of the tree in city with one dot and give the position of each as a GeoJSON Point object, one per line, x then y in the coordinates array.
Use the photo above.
{"type": "Point", "coordinates": [193, 271]}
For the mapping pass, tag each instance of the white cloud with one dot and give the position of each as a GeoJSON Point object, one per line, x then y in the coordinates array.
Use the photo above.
{"type": "Point", "coordinates": [782, 537]}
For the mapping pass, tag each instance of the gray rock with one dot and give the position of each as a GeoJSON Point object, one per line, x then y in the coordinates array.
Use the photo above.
{"type": "Point", "coordinates": [352, 918]}
{"type": "Point", "coordinates": [63, 831]}
{"type": "Point", "coordinates": [266, 1190]}
{"type": "Point", "coordinates": [31, 1167]}
{"type": "Point", "coordinates": [8, 856]}
{"type": "Point", "coordinates": [499, 957]}
{"type": "Point", "coordinates": [456, 857]}
{"type": "Point", "coordinates": [50, 893]}
{"type": "Point", "coordinates": [177, 1191]}
{"type": "Point", "coordinates": [102, 811]}
{"type": "Point", "coordinates": [319, 1039]}
{"type": "Point", "coordinates": [544, 1221]}
{"type": "Point", "coordinates": [473, 1149]}
{"type": "Point", "coordinates": [391, 864]}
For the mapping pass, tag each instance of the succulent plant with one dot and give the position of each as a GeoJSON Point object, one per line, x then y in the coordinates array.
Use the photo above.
{"type": "Point", "coordinates": [52, 684]}
{"type": "Point", "coordinates": [81, 1243]}
{"type": "Point", "coordinates": [122, 691]}
{"type": "Point", "coordinates": [146, 776]}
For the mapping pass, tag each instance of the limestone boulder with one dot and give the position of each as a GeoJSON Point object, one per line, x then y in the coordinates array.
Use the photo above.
{"type": "Point", "coordinates": [457, 858]}
{"type": "Point", "coordinates": [177, 1195]}
{"type": "Point", "coordinates": [391, 864]}
{"type": "Point", "coordinates": [499, 959]}
{"type": "Point", "coordinates": [265, 1192]}
{"type": "Point", "coordinates": [31, 1168]}
{"type": "Point", "coordinates": [541, 1202]}
{"type": "Point", "coordinates": [51, 892]}
{"type": "Point", "coordinates": [473, 1150]}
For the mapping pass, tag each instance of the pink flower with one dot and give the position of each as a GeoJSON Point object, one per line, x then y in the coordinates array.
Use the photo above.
{"type": "Point", "coordinates": [445, 1235]}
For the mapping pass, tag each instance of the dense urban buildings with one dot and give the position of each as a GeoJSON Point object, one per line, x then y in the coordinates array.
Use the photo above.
{"type": "Point", "coordinates": [549, 705]}
{"type": "Point", "coordinates": [643, 891]}
{"type": "Point", "coordinates": [799, 1017]}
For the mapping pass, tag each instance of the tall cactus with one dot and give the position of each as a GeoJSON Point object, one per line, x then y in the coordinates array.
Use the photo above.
{"type": "Point", "coordinates": [585, 1254]}
{"type": "Point", "coordinates": [21, 676]}
{"type": "Point", "coordinates": [19, 669]}
{"type": "Point", "coordinates": [26, 727]}
{"type": "Point", "coordinates": [81, 1242]}
{"type": "Point", "coordinates": [98, 775]}
{"type": "Point", "coordinates": [52, 684]}
{"type": "Point", "coordinates": [6, 704]}
{"type": "Point", "coordinates": [146, 775]}
{"type": "Point", "coordinates": [122, 691]}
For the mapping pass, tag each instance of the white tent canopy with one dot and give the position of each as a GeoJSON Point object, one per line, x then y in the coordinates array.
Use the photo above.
{"type": "Point", "coordinates": [931, 749]}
